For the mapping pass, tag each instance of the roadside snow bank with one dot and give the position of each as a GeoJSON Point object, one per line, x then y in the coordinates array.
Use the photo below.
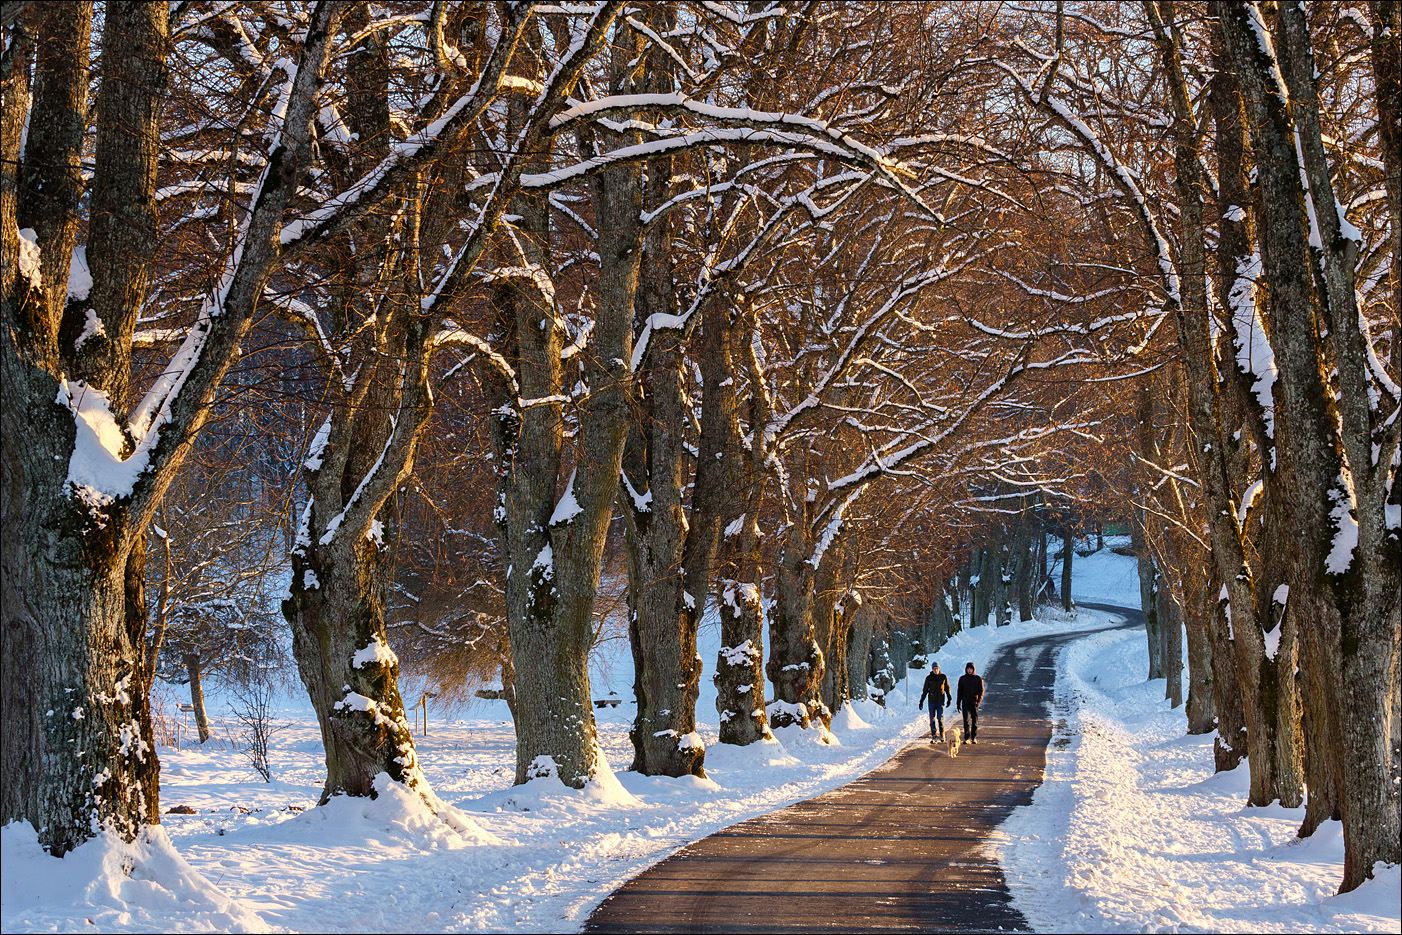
{"type": "Point", "coordinates": [111, 886]}
{"type": "Point", "coordinates": [1132, 831]}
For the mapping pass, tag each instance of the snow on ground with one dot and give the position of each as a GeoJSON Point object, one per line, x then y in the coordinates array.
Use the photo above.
{"type": "Point", "coordinates": [1131, 830]}
{"type": "Point", "coordinates": [1103, 576]}
{"type": "Point", "coordinates": [536, 857]}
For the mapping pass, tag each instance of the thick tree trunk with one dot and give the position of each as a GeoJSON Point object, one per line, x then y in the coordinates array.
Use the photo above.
{"type": "Point", "coordinates": [796, 664]}
{"type": "Point", "coordinates": [336, 611]}
{"type": "Point", "coordinates": [1231, 745]}
{"type": "Point", "coordinates": [898, 647]}
{"type": "Point", "coordinates": [997, 571]}
{"type": "Point", "coordinates": [663, 615]}
{"type": "Point", "coordinates": [71, 672]}
{"type": "Point", "coordinates": [859, 654]}
{"type": "Point", "coordinates": [76, 752]}
{"type": "Point", "coordinates": [669, 555]}
{"type": "Point", "coordinates": [739, 664]}
{"type": "Point", "coordinates": [739, 675]}
{"type": "Point", "coordinates": [833, 689]}
{"type": "Point", "coordinates": [1024, 561]}
{"type": "Point", "coordinates": [554, 552]}
{"type": "Point", "coordinates": [1202, 708]}
{"type": "Point", "coordinates": [1346, 615]}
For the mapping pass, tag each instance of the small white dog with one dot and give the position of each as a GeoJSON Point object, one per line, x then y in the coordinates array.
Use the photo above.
{"type": "Point", "coordinates": [953, 737]}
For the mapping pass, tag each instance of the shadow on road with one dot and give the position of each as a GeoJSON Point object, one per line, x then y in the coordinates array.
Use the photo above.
{"type": "Point", "coordinates": [900, 850]}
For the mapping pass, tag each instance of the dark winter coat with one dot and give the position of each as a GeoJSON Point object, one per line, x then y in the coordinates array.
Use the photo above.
{"type": "Point", "coordinates": [970, 691]}
{"type": "Point", "coordinates": [937, 688]}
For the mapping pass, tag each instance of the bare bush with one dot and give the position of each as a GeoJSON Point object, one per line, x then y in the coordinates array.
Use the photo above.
{"type": "Point", "coordinates": [252, 708]}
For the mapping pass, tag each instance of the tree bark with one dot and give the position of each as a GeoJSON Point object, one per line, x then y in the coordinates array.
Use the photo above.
{"type": "Point", "coordinates": [982, 588]}
{"type": "Point", "coordinates": [999, 583]}
{"type": "Point", "coordinates": [337, 615]}
{"type": "Point", "coordinates": [1202, 708]}
{"type": "Point", "coordinates": [859, 654]}
{"type": "Point", "coordinates": [1024, 561]}
{"type": "Point", "coordinates": [554, 557]}
{"type": "Point", "coordinates": [663, 615]}
{"type": "Point", "coordinates": [78, 752]}
{"type": "Point", "coordinates": [1232, 743]}
{"type": "Point", "coordinates": [1068, 553]}
{"type": "Point", "coordinates": [1171, 645]}
{"type": "Point", "coordinates": [191, 662]}
{"type": "Point", "coordinates": [1148, 594]}
{"type": "Point", "coordinates": [1347, 618]}
{"type": "Point", "coordinates": [739, 675]}
{"type": "Point", "coordinates": [796, 663]}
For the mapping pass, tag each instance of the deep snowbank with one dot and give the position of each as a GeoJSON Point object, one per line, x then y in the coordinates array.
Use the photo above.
{"type": "Point", "coordinates": [1132, 831]}
{"type": "Point", "coordinates": [109, 885]}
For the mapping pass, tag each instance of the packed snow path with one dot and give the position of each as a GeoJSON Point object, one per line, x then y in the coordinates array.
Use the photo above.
{"type": "Point", "coordinates": [901, 849]}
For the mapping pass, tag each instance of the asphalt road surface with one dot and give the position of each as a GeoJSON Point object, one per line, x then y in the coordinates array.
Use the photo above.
{"type": "Point", "coordinates": [899, 850]}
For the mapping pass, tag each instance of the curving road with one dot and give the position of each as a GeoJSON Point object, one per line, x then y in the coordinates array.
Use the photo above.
{"type": "Point", "coordinates": [899, 850]}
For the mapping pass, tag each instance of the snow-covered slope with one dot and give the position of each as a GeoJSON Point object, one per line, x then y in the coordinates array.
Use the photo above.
{"type": "Point", "coordinates": [1131, 831]}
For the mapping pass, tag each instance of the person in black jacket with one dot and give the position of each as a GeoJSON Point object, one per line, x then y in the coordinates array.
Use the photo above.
{"type": "Point", "coordinates": [969, 698]}
{"type": "Point", "coordinates": [937, 688]}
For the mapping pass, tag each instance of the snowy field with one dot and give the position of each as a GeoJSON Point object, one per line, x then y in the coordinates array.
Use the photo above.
{"type": "Point", "coordinates": [1130, 833]}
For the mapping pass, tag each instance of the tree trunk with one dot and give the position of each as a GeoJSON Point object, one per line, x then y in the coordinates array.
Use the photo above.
{"type": "Point", "coordinates": [963, 591]}
{"type": "Point", "coordinates": [833, 690]}
{"type": "Point", "coordinates": [739, 676]}
{"type": "Point", "coordinates": [77, 752]}
{"type": "Point", "coordinates": [554, 553]}
{"type": "Point", "coordinates": [191, 662]}
{"type": "Point", "coordinates": [337, 615]}
{"type": "Point", "coordinates": [1042, 549]}
{"type": "Point", "coordinates": [70, 668]}
{"type": "Point", "coordinates": [1068, 553]}
{"type": "Point", "coordinates": [1232, 743]}
{"type": "Point", "coordinates": [898, 647]}
{"type": "Point", "coordinates": [982, 587]}
{"type": "Point", "coordinates": [1148, 594]}
{"type": "Point", "coordinates": [859, 654]}
{"type": "Point", "coordinates": [795, 666]}
{"type": "Point", "coordinates": [1346, 615]}
{"type": "Point", "coordinates": [1202, 709]}
{"type": "Point", "coordinates": [998, 572]}
{"type": "Point", "coordinates": [158, 632]}
{"type": "Point", "coordinates": [663, 615]}
{"type": "Point", "coordinates": [1023, 564]}
{"type": "Point", "coordinates": [883, 670]}
{"type": "Point", "coordinates": [1171, 645]}
{"type": "Point", "coordinates": [669, 556]}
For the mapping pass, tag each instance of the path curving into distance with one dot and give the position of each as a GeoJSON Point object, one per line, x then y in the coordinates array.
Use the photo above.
{"type": "Point", "coordinates": [899, 850]}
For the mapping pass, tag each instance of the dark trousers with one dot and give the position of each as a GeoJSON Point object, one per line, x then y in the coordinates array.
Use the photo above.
{"type": "Point", "coordinates": [936, 719]}
{"type": "Point", "coordinates": [970, 722]}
